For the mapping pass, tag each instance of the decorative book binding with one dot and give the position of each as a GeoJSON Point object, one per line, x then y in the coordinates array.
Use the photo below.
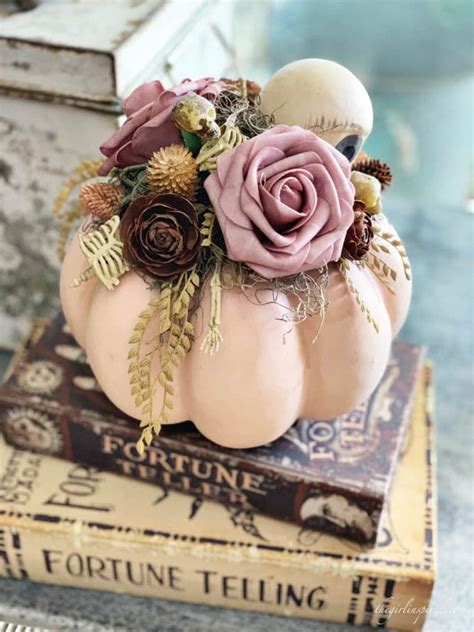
{"type": "Point", "coordinates": [328, 475]}
{"type": "Point", "coordinates": [74, 525]}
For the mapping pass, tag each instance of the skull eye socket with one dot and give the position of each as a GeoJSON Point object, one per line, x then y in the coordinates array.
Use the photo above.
{"type": "Point", "coordinates": [349, 146]}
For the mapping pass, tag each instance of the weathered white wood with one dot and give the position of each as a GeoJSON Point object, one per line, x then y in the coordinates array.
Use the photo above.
{"type": "Point", "coordinates": [40, 143]}
{"type": "Point", "coordinates": [89, 49]}
{"type": "Point", "coordinates": [60, 100]}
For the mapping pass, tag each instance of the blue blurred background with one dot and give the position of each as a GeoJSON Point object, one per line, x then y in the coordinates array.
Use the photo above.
{"type": "Point", "coordinates": [416, 59]}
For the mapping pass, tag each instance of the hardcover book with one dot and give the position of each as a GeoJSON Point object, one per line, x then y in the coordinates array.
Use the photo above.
{"type": "Point", "coordinates": [329, 475]}
{"type": "Point", "coordinates": [74, 525]}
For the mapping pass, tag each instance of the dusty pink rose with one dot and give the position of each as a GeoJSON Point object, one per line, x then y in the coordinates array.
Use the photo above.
{"type": "Point", "coordinates": [149, 125]}
{"type": "Point", "coordinates": [283, 200]}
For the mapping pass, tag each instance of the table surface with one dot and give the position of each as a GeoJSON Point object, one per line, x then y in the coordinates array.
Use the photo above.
{"type": "Point", "coordinates": [441, 318]}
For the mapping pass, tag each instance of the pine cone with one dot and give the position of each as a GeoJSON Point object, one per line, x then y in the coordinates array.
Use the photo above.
{"type": "Point", "coordinates": [375, 168]}
{"type": "Point", "coordinates": [100, 199]}
{"type": "Point", "coordinates": [173, 169]}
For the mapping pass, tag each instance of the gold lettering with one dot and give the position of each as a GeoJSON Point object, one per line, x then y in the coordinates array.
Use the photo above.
{"type": "Point", "coordinates": [180, 460]}
{"type": "Point", "coordinates": [130, 451]}
{"type": "Point", "coordinates": [251, 482]}
{"type": "Point", "coordinates": [157, 456]}
{"type": "Point", "coordinates": [201, 469]}
{"type": "Point", "coordinates": [110, 444]}
{"type": "Point", "coordinates": [223, 475]}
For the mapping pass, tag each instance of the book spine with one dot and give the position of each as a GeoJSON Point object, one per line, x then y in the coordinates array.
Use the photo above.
{"type": "Point", "coordinates": [182, 467]}
{"type": "Point", "coordinates": [207, 576]}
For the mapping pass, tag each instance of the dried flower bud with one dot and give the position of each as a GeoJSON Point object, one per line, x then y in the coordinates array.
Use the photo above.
{"type": "Point", "coordinates": [368, 190]}
{"type": "Point", "coordinates": [100, 199]}
{"type": "Point", "coordinates": [359, 235]}
{"type": "Point", "coordinates": [173, 169]}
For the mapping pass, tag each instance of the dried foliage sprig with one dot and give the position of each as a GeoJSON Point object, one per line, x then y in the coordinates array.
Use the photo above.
{"type": "Point", "coordinates": [103, 251]}
{"type": "Point", "coordinates": [69, 219]}
{"type": "Point", "coordinates": [235, 110]}
{"type": "Point", "coordinates": [381, 271]}
{"type": "Point", "coordinates": [212, 149]}
{"type": "Point", "coordinates": [379, 264]}
{"type": "Point", "coordinates": [175, 307]}
{"type": "Point", "coordinates": [140, 372]}
{"type": "Point", "coordinates": [85, 170]}
{"type": "Point", "coordinates": [344, 267]}
{"type": "Point", "coordinates": [306, 292]}
{"type": "Point", "coordinates": [213, 338]}
{"type": "Point", "coordinates": [396, 243]}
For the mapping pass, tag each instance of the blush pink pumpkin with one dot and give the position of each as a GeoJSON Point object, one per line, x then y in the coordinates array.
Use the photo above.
{"type": "Point", "coordinates": [256, 386]}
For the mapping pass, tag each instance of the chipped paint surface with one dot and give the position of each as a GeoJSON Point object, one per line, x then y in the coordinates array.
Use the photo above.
{"type": "Point", "coordinates": [68, 23]}
{"type": "Point", "coordinates": [58, 49]}
{"type": "Point", "coordinates": [40, 143]}
{"type": "Point", "coordinates": [53, 115]}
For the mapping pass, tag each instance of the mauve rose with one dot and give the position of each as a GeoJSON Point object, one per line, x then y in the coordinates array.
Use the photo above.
{"type": "Point", "coordinates": [283, 200]}
{"type": "Point", "coordinates": [149, 125]}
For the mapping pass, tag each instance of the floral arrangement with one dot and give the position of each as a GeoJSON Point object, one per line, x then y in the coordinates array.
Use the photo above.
{"type": "Point", "coordinates": [200, 187]}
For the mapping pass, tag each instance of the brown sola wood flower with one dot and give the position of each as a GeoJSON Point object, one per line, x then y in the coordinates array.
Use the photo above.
{"type": "Point", "coordinates": [160, 235]}
{"type": "Point", "coordinates": [100, 199]}
{"type": "Point", "coordinates": [173, 169]}
{"type": "Point", "coordinates": [359, 235]}
{"type": "Point", "coordinates": [375, 168]}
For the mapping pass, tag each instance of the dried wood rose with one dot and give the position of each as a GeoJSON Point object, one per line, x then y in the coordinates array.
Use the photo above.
{"type": "Point", "coordinates": [160, 235]}
{"type": "Point", "coordinates": [359, 235]}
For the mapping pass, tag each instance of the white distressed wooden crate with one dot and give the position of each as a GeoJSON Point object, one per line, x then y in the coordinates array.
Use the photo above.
{"type": "Point", "coordinates": [64, 68]}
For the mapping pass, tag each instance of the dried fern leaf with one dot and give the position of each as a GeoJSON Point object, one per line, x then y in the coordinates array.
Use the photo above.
{"type": "Point", "coordinates": [210, 151]}
{"type": "Point", "coordinates": [172, 343]}
{"type": "Point", "coordinates": [83, 171]}
{"type": "Point", "coordinates": [373, 263]}
{"type": "Point", "coordinates": [396, 243]}
{"type": "Point", "coordinates": [104, 253]}
{"type": "Point", "coordinates": [68, 221]}
{"type": "Point", "coordinates": [344, 267]}
{"type": "Point", "coordinates": [68, 218]}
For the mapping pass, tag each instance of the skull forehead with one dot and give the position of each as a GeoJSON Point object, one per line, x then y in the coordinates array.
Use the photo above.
{"type": "Point", "coordinates": [318, 94]}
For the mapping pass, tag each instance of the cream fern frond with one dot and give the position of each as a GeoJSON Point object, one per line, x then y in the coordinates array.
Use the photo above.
{"type": "Point", "coordinates": [103, 250]}
{"type": "Point", "coordinates": [210, 151]}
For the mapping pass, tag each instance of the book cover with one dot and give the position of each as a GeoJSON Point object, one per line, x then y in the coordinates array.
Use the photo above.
{"type": "Point", "coordinates": [74, 525]}
{"type": "Point", "coordinates": [328, 475]}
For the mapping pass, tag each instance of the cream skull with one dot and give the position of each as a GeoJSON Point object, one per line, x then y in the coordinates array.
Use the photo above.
{"type": "Point", "coordinates": [322, 96]}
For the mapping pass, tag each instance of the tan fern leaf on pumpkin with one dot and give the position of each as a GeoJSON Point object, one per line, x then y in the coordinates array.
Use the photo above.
{"type": "Point", "coordinates": [100, 199]}
{"type": "Point", "coordinates": [173, 170]}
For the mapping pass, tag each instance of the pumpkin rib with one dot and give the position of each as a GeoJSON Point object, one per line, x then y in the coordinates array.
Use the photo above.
{"type": "Point", "coordinates": [253, 389]}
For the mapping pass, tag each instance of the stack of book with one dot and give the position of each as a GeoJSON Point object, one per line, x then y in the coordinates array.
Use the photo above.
{"type": "Point", "coordinates": [315, 525]}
